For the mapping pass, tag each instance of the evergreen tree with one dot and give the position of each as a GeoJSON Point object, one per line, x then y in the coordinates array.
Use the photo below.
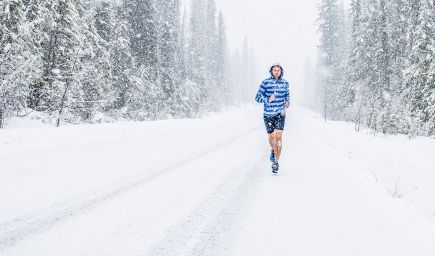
{"type": "Point", "coordinates": [356, 69]}
{"type": "Point", "coordinates": [187, 94]}
{"type": "Point", "coordinates": [385, 73]}
{"type": "Point", "coordinates": [212, 56]}
{"type": "Point", "coordinates": [244, 91]}
{"type": "Point", "coordinates": [36, 37]}
{"type": "Point", "coordinates": [197, 50]}
{"type": "Point", "coordinates": [377, 84]}
{"type": "Point", "coordinates": [332, 28]}
{"type": "Point", "coordinates": [144, 43]}
{"type": "Point", "coordinates": [419, 75]}
{"type": "Point", "coordinates": [182, 54]}
{"type": "Point", "coordinates": [399, 14]}
{"type": "Point", "coordinates": [236, 79]}
{"type": "Point", "coordinates": [62, 50]}
{"type": "Point", "coordinates": [121, 57]}
{"type": "Point", "coordinates": [104, 19]}
{"type": "Point", "coordinates": [141, 95]}
{"type": "Point", "coordinates": [15, 59]}
{"type": "Point", "coordinates": [222, 69]}
{"type": "Point", "coordinates": [96, 80]}
{"type": "Point", "coordinates": [142, 18]}
{"type": "Point", "coordinates": [112, 26]}
{"type": "Point", "coordinates": [340, 87]}
{"type": "Point", "coordinates": [169, 27]}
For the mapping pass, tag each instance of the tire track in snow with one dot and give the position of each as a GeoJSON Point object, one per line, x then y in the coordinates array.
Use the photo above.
{"type": "Point", "coordinates": [209, 229]}
{"type": "Point", "coordinates": [23, 227]}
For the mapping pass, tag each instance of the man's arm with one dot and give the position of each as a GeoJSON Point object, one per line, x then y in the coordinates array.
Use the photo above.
{"type": "Point", "coordinates": [287, 96]}
{"type": "Point", "coordinates": [261, 94]}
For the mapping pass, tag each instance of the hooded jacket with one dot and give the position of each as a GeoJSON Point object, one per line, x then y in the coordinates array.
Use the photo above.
{"type": "Point", "coordinates": [280, 88]}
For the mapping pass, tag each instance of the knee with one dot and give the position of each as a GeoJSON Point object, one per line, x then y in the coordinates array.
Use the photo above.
{"type": "Point", "coordinates": [278, 141]}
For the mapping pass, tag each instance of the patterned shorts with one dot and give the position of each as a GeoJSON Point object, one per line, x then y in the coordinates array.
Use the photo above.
{"type": "Point", "coordinates": [275, 122]}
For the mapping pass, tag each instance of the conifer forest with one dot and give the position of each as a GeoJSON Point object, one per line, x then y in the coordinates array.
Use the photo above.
{"type": "Point", "coordinates": [376, 65]}
{"type": "Point", "coordinates": [77, 61]}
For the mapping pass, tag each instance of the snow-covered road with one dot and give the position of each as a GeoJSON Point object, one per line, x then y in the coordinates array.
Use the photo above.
{"type": "Point", "coordinates": [196, 187]}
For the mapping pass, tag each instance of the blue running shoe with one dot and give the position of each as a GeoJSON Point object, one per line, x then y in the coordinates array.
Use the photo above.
{"type": "Point", "coordinates": [272, 156]}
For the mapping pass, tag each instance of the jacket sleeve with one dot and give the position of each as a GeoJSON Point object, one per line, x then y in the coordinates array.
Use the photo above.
{"type": "Point", "coordinates": [287, 94]}
{"type": "Point", "coordinates": [261, 94]}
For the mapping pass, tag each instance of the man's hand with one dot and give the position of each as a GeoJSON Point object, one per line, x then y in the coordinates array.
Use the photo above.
{"type": "Point", "coordinates": [272, 98]}
{"type": "Point", "coordinates": [287, 104]}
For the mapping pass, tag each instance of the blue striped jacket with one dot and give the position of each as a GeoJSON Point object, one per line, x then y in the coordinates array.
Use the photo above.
{"type": "Point", "coordinates": [270, 86]}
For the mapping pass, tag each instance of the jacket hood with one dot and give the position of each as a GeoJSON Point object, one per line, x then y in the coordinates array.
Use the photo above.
{"type": "Point", "coordinates": [276, 65]}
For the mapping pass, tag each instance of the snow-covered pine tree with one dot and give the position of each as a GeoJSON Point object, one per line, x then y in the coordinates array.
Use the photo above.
{"type": "Point", "coordinates": [104, 19]}
{"type": "Point", "coordinates": [182, 55]}
{"type": "Point", "coordinates": [112, 25]}
{"type": "Point", "coordinates": [369, 65]}
{"type": "Point", "coordinates": [197, 52]}
{"type": "Point", "coordinates": [62, 57]}
{"type": "Point", "coordinates": [96, 80]}
{"type": "Point", "coordinates": [420, 73]}
{"type": "Point", "coordinates": [142, 19]}
{"type": "Point", "coordinates": [211, 56]}
{"type": "Point", "coordinates": [244, 93]}
{"type": "Point", "coordinates": [187, 94]}
{"type": "Point", "coordinates": [143, 27]}
{"type": "Point", "coordinates": [242, 74]}
{"type": "Point", "coordinates": [430, 110]}
{"type": "Point", "coordinates": [35, 38]}
{"type": "Point", "coordinates": [252, 78]}
{"type": "Point", "coordinates": [309, 84]}
{"type": "Point", "coordinates": [356, 69]}
{"type": "Point", "coordinates": [236, 79]}
{"type": "Point", "coordinates": [331, 28]}
{"type": "Point", "coordinates": [397, 23]}
{"type": "Point", "coordinates": [363, 92]}
{"type": "Point", "coordinates": [168, 44]}
{"type": "Point", "coordinates": [142, 96]}
{"type": "Point", "coordinates": [380, 85]}
{"type": "Point", "coordinates": [16, 59]}
{"type": "Point", "coordinates": [222, 64]}
{"type": "Point", "coordinates": [340, 88]}
{"type": "Point", "coordinates": [121, 56]}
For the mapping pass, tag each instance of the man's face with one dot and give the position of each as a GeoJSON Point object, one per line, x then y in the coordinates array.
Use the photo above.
{"type": "Point", "coordinates": [276, 72]}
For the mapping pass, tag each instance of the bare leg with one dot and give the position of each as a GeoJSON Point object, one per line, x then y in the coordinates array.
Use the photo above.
{"type": "Point", "coordinates": [272, 140]}
{"type": "Point", "coordinates": [278, 144]}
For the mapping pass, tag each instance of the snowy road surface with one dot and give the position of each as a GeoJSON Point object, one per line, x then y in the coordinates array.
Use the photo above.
{"type": "Point", "coordinates": [196, 187]}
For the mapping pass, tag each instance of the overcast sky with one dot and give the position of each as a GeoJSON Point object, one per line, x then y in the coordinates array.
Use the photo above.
{"type": "Point", "coordinates": [283, 31]}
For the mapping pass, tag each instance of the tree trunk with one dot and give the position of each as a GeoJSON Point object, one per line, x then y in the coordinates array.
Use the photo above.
{"type": "Point", "coordinates": [62, 104]}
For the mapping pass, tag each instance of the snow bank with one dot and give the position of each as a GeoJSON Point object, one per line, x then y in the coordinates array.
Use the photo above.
{"type": "Point", "coordinates": [404, 167]}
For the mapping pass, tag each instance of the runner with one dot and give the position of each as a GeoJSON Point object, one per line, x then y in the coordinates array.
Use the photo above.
{"type": "Point", "coordinates": [274, 94]}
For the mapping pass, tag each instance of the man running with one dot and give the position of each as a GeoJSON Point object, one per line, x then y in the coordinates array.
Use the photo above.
{"type": "Point", "coordinates": [274, 93]}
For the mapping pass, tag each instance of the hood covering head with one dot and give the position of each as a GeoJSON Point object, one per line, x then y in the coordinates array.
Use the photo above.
{"type": "Point", "coordinates": [276, 65]}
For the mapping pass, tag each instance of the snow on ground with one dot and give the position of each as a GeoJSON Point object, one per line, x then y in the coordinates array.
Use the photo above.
{"type": "Point", "coordinates": [404, 167]}
{"type": "Point", "coordinates": [204, 187]}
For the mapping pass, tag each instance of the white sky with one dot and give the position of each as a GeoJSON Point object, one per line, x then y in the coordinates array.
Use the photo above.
{"type": "Point", "coordinates": [283, 31]}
